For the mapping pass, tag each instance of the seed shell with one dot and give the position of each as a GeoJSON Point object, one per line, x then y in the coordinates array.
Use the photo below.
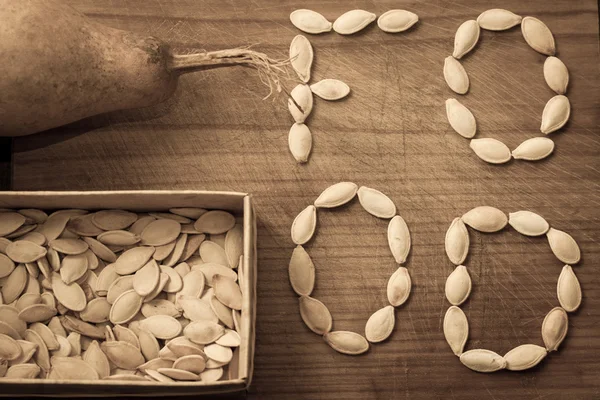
{"type": "Point", "coordinates": [23, 251]}
{"type": "Point", "coordinates": [160, 232]}
{"type": "Point", "coordinates": [330, 89]}
{"type": "Point", "coordinates": [315, 315]}
{"type": "Point", "coordinates": [125, 307]}
{"type": "Point", "coordinates": [568, 289]}
{"type": "Point", "coordinates": [301, 57]}
{"type": "Point", "coordinates": [211, 269]}
{"type": "Point", "coordinates": [203, 332]}
{"type": "Point", "coordinates": [346, 342]}
{"type": "Point", "coordinates": [380, 325]}
{"type": "Point", "coordinates": [10, 222]}
{"type": "Point", "coordinates": [491, 150]}
{"type": "Point", "coordinates": [485, 219]}
{"type": "Point", "coordinates": [304, 225]}
{"type": "Point", "coordinates": [554, 328]}
{"type": "Point", "coordinates": [398, 239]}
{"type": "Point", "coordinates": [213, 253]}
{"type": "Point", "coordinates": [310, 21]}
{"type": "Point", "coordinates": [498, 19]}
{"type": "Point", "coordinates": [302, 95]}
{"type": "Point", "coordinates": [461, 119]}
{"type": "Point", "coordinates": [300, 142]}
{"type": "Point", "coordinates": [118, 238]}
{"type": "Point", "coordinates": [458, 286]}
{"type": "Point", "coordinates": [466, 38]}
{"type": "Point", "coordinates": [6, 266]}
{"type": "Point", "coordinates": [215, 222]}
{"type": "Point", "coordinates": [15, 284]}
{"type": "Point", "coordinates": [193, 363]}
{"type": "Point", "coordinates": [556, 75]}
{"type": "Point", "coordinates": [534, 149]}
{"type": "Point", "coordinates": [96, 358]}
{"type": "Point", "coordinates": [376, 203]}
{"type": "Point", "coordinates": [456, 329]}
{"type": "Point", "coordinates": [70, 295]}
{"type": "Point", "coordinates": [556, 114]}
{"type": "Point", "coordinates": [455, 75]}
{"type": "Point", "coordinates": [563, 246]}
{"type": "Point", "coordinates": [110, 220]}
{"type": "Point", "coordinates": [482, 360]}
{"type": "Point", "coordinates": [524, 357]}
{"type": "Point", "coordinates": [528, 223]}
{"type": "Point", "coordinates": [101, 250]}
{"type": "Point", "coordinates": [457, 242]}
{"type": "Point", "coordinates": [398, 287]}
{"type": "Point", "coordinates": [146, 278]}
{"type": "Point", "coordinates": [336, 195]}
{"type": "Point", "coordinates": [301, 272]}
{"type": "Point", "coordinates": [123, 354]}
{"type": "Point", "coordinates": [162, 326]}
{"type": "Point", "coordinates": [353, 21]}
{"type": "Point", "coordinates": [394, 21]}
{"type": "Point", "coordinates": [538, 36]}
{"type": "Point", "coordinates": [234, 245]}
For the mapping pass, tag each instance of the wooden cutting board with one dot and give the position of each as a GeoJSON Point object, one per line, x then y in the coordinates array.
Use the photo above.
{"type": "Point", "coordinates": [390, 134]}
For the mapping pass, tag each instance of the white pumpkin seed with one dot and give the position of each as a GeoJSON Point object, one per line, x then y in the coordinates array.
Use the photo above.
{"type": "Point", "coordinates": [230, 339]}
{"type": "Point", "coordinates": [498, 19]}
{"type": "Point", "coordinates": [28, 349]}
{"type": "Point", "coordinates": [175, 283]}
{"type": "Point", "coordinates": [398, 239]}
{"type": "Point", "coordinates": [528, 223]}
{"type": "Point", "coordinates": [301, 272]}
{"type": "Point", "coordinates": [461, 119]}
{"type": "Point", "coordinates": [74, 339]}
{"type": "Point", "coordinates": [211, 375]}
{"type": "Point", "coordinates": [182, 269]}
{"type": "Point", "coordinates": [376, 203]}
{"type": "Point", "coordinates": [491, 150]}
{"type": "Point", "coordinates": [53, 259]}
{"type": "Point", "coordinates": [302, 96]}
{"type": "Point", "coordinates": [394, 21]}
{"type": "Point", "coordinates": [96, 311]}
{"type": "Point", "coordinates": [524, 357]}
{"type": "Point", "coordinates": [398, 287]}
{"type": "Point", "coordinates": [123, 354]}
{"type": "Point", "coordinates": [457, 242]}
{"type": "Point", "coordinates": [6, 266]}
{"type": "Point", "coordinates": [107, 276]}
{"type": "Point", "coordinates": [534, 149]}
{"type": "Point", "coordinates": [222, 312]}
{"type": "Point", "coordinates": [380, 325]}
{"type": "Point", "coordinates": [538, 36]}
{"type": "Point", "coordinates": [4, 242]}
{"type": "Point", "coordinates": [178, 374]}
{"type": "Point", "coordinates": [162, 326]}
{"type": "Point", "coordinates": [146, 278]}
{"type": "Point", "coordinates": [193, 284]}
{"type": "Point", "coordinates": [9, 348]}
{"type": "Point", "coordinates": [155, 364]}
{"type": "Point", "coordinates": [83, 328]}
{"type": "Point", "coordinates": [188, 212]}
{"type": "Point", "coordinates": [101, 250]}
{"type": "Point", "coordinates": [118, 238]}
{"type": "Point", "coordinates": [141, 223]}
{"type": "Point", "coordinates": [83, 226]}
{"type": "Point", "coordinates": [315, 315]}
{"type": "Point", "coordinates": [23, 371]}
{"type": "Point", "coordinates": [96, 358]}
{"type": "Point", "coordinates": [211, 269]}
{"type": "Point", "coordinates": [556, 75]}
{"type": "Point", "coordinates": [300, 142]}
{"type": "Point", "coordinates": [177, 252]}
{"type": "Point", "coordinates": [554, 328]}
{"type": "Point", "coordinates": [227, 292]}
{"type": "Point", "coordinates": [556, 114]}
{"type": "Point", "coordinates": [466, 38]}
{"type": "Point", "coordinates": [485, 219]}
{"type": "Point", "coordinates": [164, 251]}
{"type": "Point", "coordinates": [64, 347]}
{"type": "Point", "coordinates": [192, 363]}
{"type": "Point", "coordinates": [330, 89]}
{"type": "Point", "coordinates": [203, 332]}
{"type": "Point", "coordinates": [568, 289]}
{"type": "Point", "coordinates": [456, 329]}
{"type": "Point", "coordinates": [111, 220]}
{"type": "Point", "coordinates": [215, 222]}
{"type": "Point", "coordinates": [34, 237]}
{"type": "Point", "coordinates": [304, 225]}
{"type": "Point", "coordinates": [192, 244]}
{"type": "Point", "coordinates": [118, 287]}
{"type": "Point", "coordinates": [41, 356]}
{"type": "Point", "coordinates": [162, 282]}
{"type": "Point", "coordinates": [310, 21]}
{"type": "Point", "coordinates": [126, 335]}
{"type": "Point", "coordinates": [197, 309]}
{"type": "Point", "coordinates": [37, 313]}
{"type": "Point", "coordinates": [68, 246]}
{"type": "Point", "coordinates": [353, 21]}
{"type": "Point", "coordinates": [125, 307]}
{"type": "Point", "coordinates": [27, 299]}
{"type": "Point", "coordinates": [175, 217]}
{"type": "Point", "coordinates": [458, 286]}
{"type": "Point", "coordinates": [301, 57]}
{"type": "Point", "coordinates": [37, 216]}
{"type": "Point", "coordinates": [346, 342]}
{"type": "Point", "coordinates": [563, 246]}
{"type": "Point", "coordinates": [54, 226]}
{"type": "Point", "coordinates": [73, 267]}
{"type": "Point", "coordinates": [69, 295]}
{"type": "Point", "coordinates": [336, 195]}
{"type": "Point", "coordinates": [482, 360]}
{"type": "Point", "coordinates": [181, 346]}
{"type": "Point", "coordinates": [234, 245]}
{"type": "Point", "coordinates": [23, 251]}
{"type": "Point", "coordinates": [23, 230]}
{"type": "Point", "coordinates": [15, 284]}
{"type": "Point", "coordinates": [160, 307]}
{"type": "Point", "coordinates": [218, 353]}
{"type": "Point", "coordinates": [160, 232]}
{"type": "Point", "coordinates": [213, 253]}
{"type": "Point", "coordinates": [455, 75]}
{"type": "Point", "coordinates": [10, 222]}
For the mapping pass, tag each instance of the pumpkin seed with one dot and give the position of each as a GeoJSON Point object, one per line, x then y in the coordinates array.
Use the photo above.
{"type": "Point", "coordinates": [23, 251]}
{"type": "Point", "coordinates": [234, 245]}
{"type": "Point", "coordinates": [34, 237]}
{"type": "Point", "coordinates": [485, 219]}
{"type": "Point", "coordinates": [376, 203]}
{"type": "Point", "coordinates": [398, 287]}
{"type": "Point", "coordinates": [188, 212]}
{"type": "Point", "coordinates": [230, 339]}
{"type": "Point", "coordinates": [457, 242]}
{"type": "Point", "coordinates": [6, 266]}
{"type": "Point", "coordinates": [336, 195]}
{"type": "Point", "coordinates": [148, 345]}
{"type": "Point", "coordinates": [210, 364]}
{"type": "Point", "coordinates": [563, 246]}
{"type": "Point", "coordinates": [310, 21]}
{"type": "Point", "coordinates": [380, 325]}
{"type": "Point", "coordinates": [160, 307]}
{"type": "Point", "coordinates": [227, 292]}
{"type": "Point", "coordinates": [32, 286]}
{"type": "Point", "coordinates": [10, 222]}
{"type": "Point", "coordinates": [398, 239]}
{"type": "Point", "coordinates": [69, 295]}
{"type": "Point", "coordinates": [482, 360]}
{"type": "Point", "coordinates": [23, 371]}
{"type": "Point", "coordinates": [491, 150]}
{"type": "Point", "coordinates": [69, 246]}
{"type": "Point", "coordinates": [315, 315]}
{"type": "Point", "coordinates": [9, 330]}
{"type": "Point", "coordinates": [528, 223]}
{"type": "Point", "coordinates": [524, 357]}
{"type": "Point", "coordinates": [125, 307]}
{"type": "Point", "coordinates": [41, 356]}
{"type": "Point", "coordinates": [300, 142]}
{"type": "Point", "coordinates": [83, 226]}
{"type": "Point", "coordinates": [83, 328]}
{"type": "Point", "coordinates": [162, 326]}
{"type": "Point", "coordinates": [157, 376]}
{"type": "Point", "coordinates": [466, 38]}
{"type": "Point", "coordinates": [556, 114]}
{"type": "Point", "coordinates": [568, 289]}
{"type": "Point", "coordinates": [302, 97]}
{"type": "Point", "coordinates": [111, 220]}
{"type": "Point", "coordinates": [4, 242]}
{"type": "Point", "coordinates": [554, 328]}
{"type": "Point", "coordinates": [96, 311]}
{"type": "Point", "coordinates": [19, 233]}
{"type": "Point", "coordinates": [26, 300]}
{"type": "Point", "coordinates": [458, 286]}
{"type": "Point", "coordinates": [353, 21]}
{"type": "Point", "coordinates": [179, 218]}
{"type": "Point", "coordinates": [123, 334]}
{"type": "Point", "coordinates": [101, 250]}
{"type": "Point", "coordinates": [32, 269]}
{"type": "Point", "coordinates": [211, 375]}
{"type": "Point", "coordinates": [193, 284]}
{"type": "Point", "coordinates": [64, 347]}
{"type": "Point", "coordinates": [461, 119]}
{"type": "Point", "coordinates": [538, 36]}
{"type": "Point", "coordinates": [175, 283]}
{"type": "Point", "coordinates": [178, 374]}
{"type": "Point", "coordinates": [123, 354]}
{"type": "Point", "coordinates": [9, 348]}
{"type": "Point", "coordinates": [213, 253]}
{"type": "Point", "coordinates": [118, 238]}
{"type": "Point", "coordinates": [455, 75]}
{"type": "Point", "coordinates": [301, 57]}
{"type": "Point", "coordinates": [106, 278]}
{"type": "Point", "coordinates": [53, 259]}
{"type": "Point", "coordinates": [55, 326]}
{"type": "Point", "coordinates": [181, 346]}
{"type": "Point", "coordinates": [166, 354]}
{"type": "Point", "coordinates": [556, 75]}
{"type": "Point", "coordinates": [146, 278]}
{"type": "Point", "coordinates": [73, 267]}
{"type": "Point", "coordinates": [197, 310]}
{"type": "Point", "coordinates": [346, 342]}
{"type": "Point", "coordinates": [203, 332]}
{"type": "Point", "coordinates": [302, 272]}
{"type": "Point", "coordinates": [69, 368]}
{"type": "Point", "coordinates": [218, 353]}
{"type": "Point", "coordinates": [160, 232]}
{"type": "Point", "coordinates": [177, 252]}
{"type": "Point", "coordinates": [37, 313]}
{"type": "Point", "coordinates": [15, 284]}
{"type": "Point", "coordinates": [164, 251]}
{"type": "Point", "coordinates": [74, 339]}
{"type": "Point", "coordinates": [192, 363]}
{"type": "Point", "coordinates": [141, 223]}
{"type": "Point", "coordinates": [28, 349]}
{"type": "Point", "coordinates": [304, 225]}
{"type": "Point", "coordinates": [38, 216]}
{"type": "Point", "coordinates": [44, 267]}
{"type": "Point", "coordinates": [215, 222]}
{"type": "Point", "coordinates": [96, 358]}
{"type": "Point", "coordinates": [330, 89]}
{"type": "Point", "coordinates": [456, 329]}
{"type": "Point", "coordinates": [54, 226]}
{"type": "Point", "coordinates": [534, 149]}
{"type": "Point", "coordinates": [118, 287]}
{"type": "Point", "coordinates": [155, 364]}
{"type": "Point", "coordinates": [498, 19]}
{"type": "Point", "coordinates": [192, 245]}
{"type": "Point", "coordinates": [211, 269]}
{"type": "Point", "coordinates": [394, 21]}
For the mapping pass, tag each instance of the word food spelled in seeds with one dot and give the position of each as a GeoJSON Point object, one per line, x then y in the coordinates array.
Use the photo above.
{"type": "Point", "coordinates": [458, 287]}
{"type": "Point", "coordinates": [121, 296]}
{"type": "Point", "coordinates": [556, 112]}
{"type": "Point", "coordinates": [314, 313]}
{"type": "Point", "coordinates": [301, 55]}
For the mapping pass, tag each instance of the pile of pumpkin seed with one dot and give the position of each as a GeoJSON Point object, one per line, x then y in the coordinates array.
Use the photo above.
{"type": "Point", "coordinates": [121, 296]}
{"type": "Point", "coordinates": [314, 313]}
{"type": "Point", "coordinates": [301, 55]}
{"type": "Point", "coordinates": [556, 112]}
{"type": "Point", "coordinates": [458, 287]}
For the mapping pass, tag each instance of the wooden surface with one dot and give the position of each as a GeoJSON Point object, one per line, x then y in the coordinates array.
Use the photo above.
{"type": "Point", "coordinates": [390, 134]}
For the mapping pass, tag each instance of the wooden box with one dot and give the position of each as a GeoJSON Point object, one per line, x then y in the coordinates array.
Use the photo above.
{"type": "Point", "coordinates": [239, 204]}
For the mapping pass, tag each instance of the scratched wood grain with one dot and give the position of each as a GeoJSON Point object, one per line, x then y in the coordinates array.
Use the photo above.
{"type": "Point", "coordinates": [390, 134]}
